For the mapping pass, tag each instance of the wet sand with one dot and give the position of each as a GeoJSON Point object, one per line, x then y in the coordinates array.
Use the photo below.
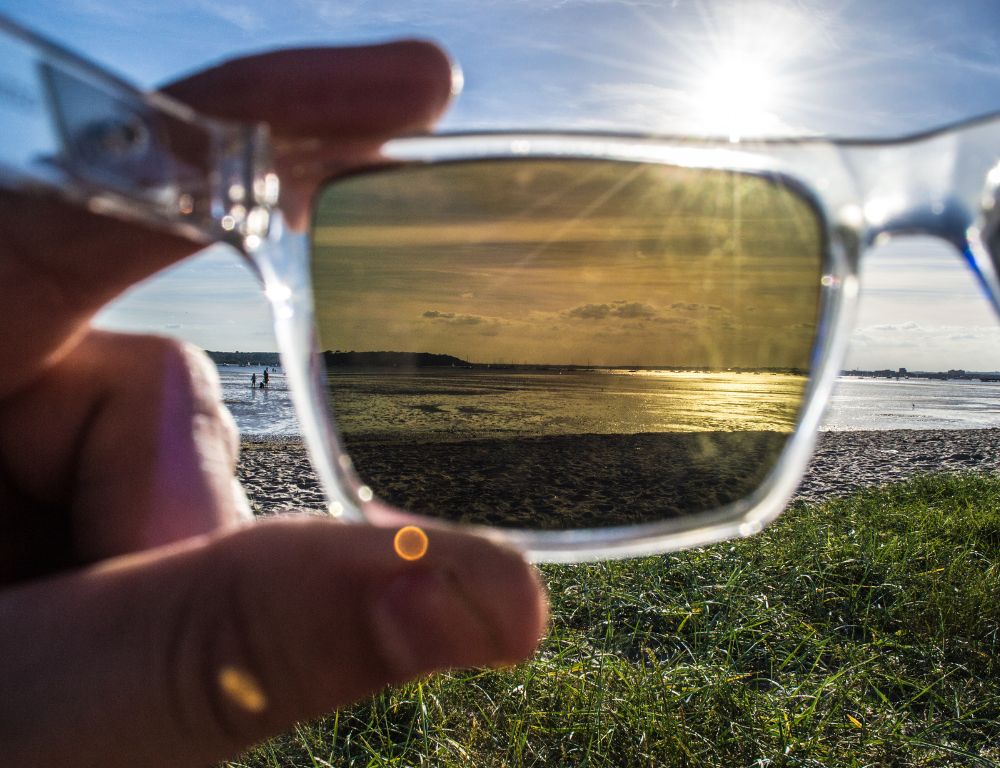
{"type": "Point", "coordinates": [847, 461]}
{"type": "Point", "coordinates": [278, 477]}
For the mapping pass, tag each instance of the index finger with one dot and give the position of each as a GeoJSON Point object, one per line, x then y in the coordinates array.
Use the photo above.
{"type": "Point", "coordinates": [366, 93]}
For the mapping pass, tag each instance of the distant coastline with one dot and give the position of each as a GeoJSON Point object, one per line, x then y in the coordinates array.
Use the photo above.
{"type": "Point", "coordinates": [269, 359]}
{"type": "Point", "coordinates": [393, 360]}
{"type": "Point", "coordinates": [410, 360]}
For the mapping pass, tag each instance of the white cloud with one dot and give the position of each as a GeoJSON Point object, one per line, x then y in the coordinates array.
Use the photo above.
{"type": "Point", "coordinates": [922, 309]}
{"type": "Point", "coordinates": [919, 347]}
{"type": "Point", "coordinates": [242, 16]}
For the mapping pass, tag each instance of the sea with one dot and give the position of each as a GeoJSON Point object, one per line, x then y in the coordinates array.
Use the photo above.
{"type": "Point", "coordinates": [259, 412]}
{"type": "Point", "coordinates": [857, 403]}
{"type": "Point", "coordinates": [880, 404]}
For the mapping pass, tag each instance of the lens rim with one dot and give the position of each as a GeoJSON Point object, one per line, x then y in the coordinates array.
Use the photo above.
{"type": "Point", "coordinates": [352, 499]}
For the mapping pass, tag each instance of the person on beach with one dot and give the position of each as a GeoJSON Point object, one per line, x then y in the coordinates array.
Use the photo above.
{"type": "Point", "coordinates": [267, 379]}
{"type": "Point", "coordinates": [142, 621]}
{"type": "Point", "coordinates": [253, 380]}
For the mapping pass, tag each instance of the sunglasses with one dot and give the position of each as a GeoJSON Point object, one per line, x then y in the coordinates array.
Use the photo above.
{"type": "Point", "coordinates": [586, 346]}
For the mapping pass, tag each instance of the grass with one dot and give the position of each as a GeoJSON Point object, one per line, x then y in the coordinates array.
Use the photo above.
{"type": "Point", "coordinates": [858, 632]}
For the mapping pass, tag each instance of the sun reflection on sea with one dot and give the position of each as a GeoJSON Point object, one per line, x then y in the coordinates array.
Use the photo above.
{"type": "Point", "coordinates": [456, 405]}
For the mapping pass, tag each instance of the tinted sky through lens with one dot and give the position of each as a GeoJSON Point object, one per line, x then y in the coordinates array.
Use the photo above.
{"type": "Point", "coordinates": [569, 263]}
{"type": "Point", "coordinates": [726, 68]}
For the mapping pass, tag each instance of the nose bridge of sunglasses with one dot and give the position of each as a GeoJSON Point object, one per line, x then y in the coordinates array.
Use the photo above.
{"type": "Point", "coordinates": [937, 185]}
{"type": "Point", "coordinates": [943, 185]}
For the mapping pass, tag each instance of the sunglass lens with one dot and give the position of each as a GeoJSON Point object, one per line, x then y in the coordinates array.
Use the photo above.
{"type": "Point", "coordinates": [559, 344]}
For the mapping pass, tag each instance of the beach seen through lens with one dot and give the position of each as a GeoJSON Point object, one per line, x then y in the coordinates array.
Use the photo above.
{"type": "Point", "coordinates": [563, 448]}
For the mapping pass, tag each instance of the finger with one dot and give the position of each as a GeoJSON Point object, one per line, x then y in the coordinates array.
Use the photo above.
{"type": "Point", "coordinates": [369, 93]}
{"type": "Point", "coordinates": [329, 109]}
{"type": "Point", "coordinates": [59, 264]}
{"type": "Point", "coordinates": [184, 658]}
{"type": "Point", "coordinates": [127, 440]}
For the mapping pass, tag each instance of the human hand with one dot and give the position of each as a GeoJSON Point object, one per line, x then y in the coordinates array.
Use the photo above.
{"type": "Point", "coordinates": [130, 591]}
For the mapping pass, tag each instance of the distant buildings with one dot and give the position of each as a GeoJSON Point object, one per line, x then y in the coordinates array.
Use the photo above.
{"type": "Point", "coordinates": [903, 373]}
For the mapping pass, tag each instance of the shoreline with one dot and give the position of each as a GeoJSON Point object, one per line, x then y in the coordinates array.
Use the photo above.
{"type": "Point", "coordinates": [278, 477]}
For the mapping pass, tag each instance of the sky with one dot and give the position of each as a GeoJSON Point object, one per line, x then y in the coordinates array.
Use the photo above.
{"type": "Point", "coordinates": [817, 67]}
{"type": "Point", "coordinates": [584, 263]}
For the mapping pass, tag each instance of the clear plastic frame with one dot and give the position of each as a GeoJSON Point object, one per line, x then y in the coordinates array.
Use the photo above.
{"type": "Point", "coordinates": [77, 132]}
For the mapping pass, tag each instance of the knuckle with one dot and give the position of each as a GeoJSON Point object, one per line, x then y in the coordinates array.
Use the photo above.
{"type": "Point", "coordinates": [189, 366]}
{"type": "Point", "coordinates": [194, 381]}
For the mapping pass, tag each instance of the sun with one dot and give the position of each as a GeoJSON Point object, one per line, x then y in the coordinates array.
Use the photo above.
{"type": "Point", "coordinates": [749, 73]}
{"type": "Point", "coordinates": [737, 96]}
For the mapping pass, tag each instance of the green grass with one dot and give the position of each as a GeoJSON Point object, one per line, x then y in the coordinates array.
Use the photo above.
{"type": "Point", "coordinates": [860, 632]}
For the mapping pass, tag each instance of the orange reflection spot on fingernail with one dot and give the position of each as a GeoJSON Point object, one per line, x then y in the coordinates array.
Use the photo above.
{"type": "Point", "coordinates": [243, 689]}
{"type": "Point", "coordinates": [410, 542]}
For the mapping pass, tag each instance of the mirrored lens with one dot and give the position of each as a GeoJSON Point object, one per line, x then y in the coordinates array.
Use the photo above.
{"type": "Point", "coordinates": [559, 344]}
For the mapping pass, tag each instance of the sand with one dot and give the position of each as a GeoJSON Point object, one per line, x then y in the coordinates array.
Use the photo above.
{"type": "Point", "coordinates": [847, 461]}
{"type": "Point", "coordinates": [278, 477]}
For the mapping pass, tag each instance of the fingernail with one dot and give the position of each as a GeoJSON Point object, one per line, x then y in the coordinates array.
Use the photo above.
{"type": "Point", "coordinates": [424, 620]}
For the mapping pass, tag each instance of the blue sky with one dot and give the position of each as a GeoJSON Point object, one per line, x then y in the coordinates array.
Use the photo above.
{"type": "Point", "coordinates": [837, 68]}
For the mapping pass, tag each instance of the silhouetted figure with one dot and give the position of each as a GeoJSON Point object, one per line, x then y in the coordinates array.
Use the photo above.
{"type": "Point", "coordinates": [253, 380]}
{"type": "Point", "coordinates": [267, 378]}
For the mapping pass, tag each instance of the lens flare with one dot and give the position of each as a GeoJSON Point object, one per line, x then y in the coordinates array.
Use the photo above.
{"type": "Point", "coordinates": [410, 543]}
{"type": "Point", "coordinates": [243, 689]}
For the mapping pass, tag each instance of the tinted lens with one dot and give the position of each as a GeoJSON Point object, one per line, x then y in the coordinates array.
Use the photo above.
{"type": "Point", "coordinates": [564, 343]}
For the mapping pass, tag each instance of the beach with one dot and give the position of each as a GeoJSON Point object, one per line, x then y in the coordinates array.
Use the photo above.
{"type": "Point", "coordinates": [549, 450]}
{"type": "Point", "coordinates": [278, 477]}
{"type": "Point", "coordinates": [848, 461]}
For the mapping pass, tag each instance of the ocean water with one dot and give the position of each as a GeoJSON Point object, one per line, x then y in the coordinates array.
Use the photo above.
{"type": "Point", "coordinates": [857, 404]}
{"type": "Point", "coordinates": [461, 404]}
{"type": "Point", "coordinates": [879, 404]}
{"type": "Point", "coordinates": [258, 412]}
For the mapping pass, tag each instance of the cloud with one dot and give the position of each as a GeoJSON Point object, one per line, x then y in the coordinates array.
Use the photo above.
{"type": "Point", "coordinates": [693, 307]}
{"type": "Point", "coordinates": [484, 326]}
{"type": "Point", "coordinates": [624, 310]}
{"type": "Point", "coordinates": [241, 16]}
{"type": "Point", "coordinates": [452, 319]}
{"type": "Point", "coordinates": [590, 311]}
{"type": "Point", "coordinates": [896, 327]}
{"type": "Point", "coordinates": [633, 310]}
{"type": "Point", "coordinates": [924, 347]}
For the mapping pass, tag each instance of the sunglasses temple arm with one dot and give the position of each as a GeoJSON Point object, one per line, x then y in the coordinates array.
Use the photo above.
{"type": "Point", "coordinates": [72, 130]}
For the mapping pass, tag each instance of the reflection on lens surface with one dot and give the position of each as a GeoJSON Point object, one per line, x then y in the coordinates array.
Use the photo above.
{"type": "Point", "coordinates": [564, 344]}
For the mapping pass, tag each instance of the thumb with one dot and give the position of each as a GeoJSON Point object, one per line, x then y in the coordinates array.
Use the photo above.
{"type": "Point", "coordinates": [187, 655]}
